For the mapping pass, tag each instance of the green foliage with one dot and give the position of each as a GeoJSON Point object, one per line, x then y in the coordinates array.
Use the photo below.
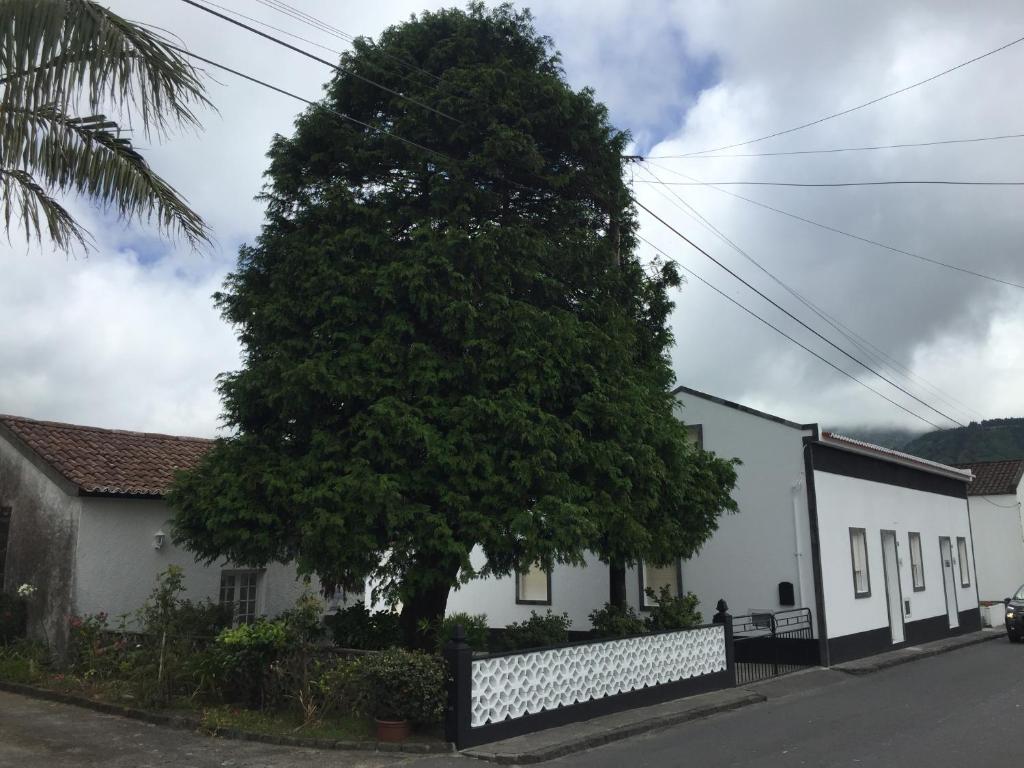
{"type": "Point", "coordinates": [12, 618]}
{"type": "Point", "coordinates": [478, 633]}
{"type": "Point", "coordinates": [673, 611]}
{"type": "Point", "coordinates": [399, 685]}
{"type": "Point", "coordinates": [989, 440]}
{"type": "Point", "coordinates": [616, 621]}
{"type": "Point", "coordinates": [537, 631]}
{"type": "Point", "coordinates": [23, 661]}
{"type": "Point", "coordinates": [449, 352]}
{"type": "Point", "coordinates": [304, 620]}
{"type": "Point", "coordinates": [358, 627]}
{"type": "Point", "coordinates": [64, 55]}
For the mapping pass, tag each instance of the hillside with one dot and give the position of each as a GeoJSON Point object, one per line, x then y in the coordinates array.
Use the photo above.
{"type": "Point", "coordinates": [990, 440]}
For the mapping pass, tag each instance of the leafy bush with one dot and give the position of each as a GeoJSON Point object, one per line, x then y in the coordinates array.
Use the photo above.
{"type": "Point", "coordinates": [358, 627]}
{"type": "Point", "coordinates": [478, 634]}
{"type": "Point", "coordinates": [304, 621]}
{"type": "Point", "coordinates": [246, 653]}
{"type": "Point", "coordinates": [537, 631]}
{"type": "Point", "coordinates": [12, 618]}
{"type": "Point", "coordinates": [398, 685]}
{"type": "Point", "coordinates": [612, 621]}
{"type": "Point", "coordinates": [23, 661]}
{"type": "Point", "coordinates": [672, 611]}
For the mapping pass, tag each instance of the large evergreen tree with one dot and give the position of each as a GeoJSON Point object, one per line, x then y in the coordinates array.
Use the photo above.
{"type": "Point", "coordinates": [450, 348]}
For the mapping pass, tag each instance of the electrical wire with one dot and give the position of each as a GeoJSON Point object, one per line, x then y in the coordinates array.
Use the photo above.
{"type": "Point", "coordinates": [785, 335]}
{"type": "Point", "coordinates": [833, 150]}
{"type": "Point", "coordinates": [883, 183]}
{"type": "Point", "coordinates": [314, 57]}
{"type": "Point", "coordinates": [844, 233]}
{"type": "Point", "coordinates": [875, 100]}
{"type": "Point", "coordinates": [241, 15]}
{"type": "Point", "coordinates": [789, 314]}
{"type": "Point", "coordinates": [690, 210]}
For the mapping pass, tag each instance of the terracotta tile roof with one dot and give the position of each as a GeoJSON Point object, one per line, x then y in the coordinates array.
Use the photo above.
{"type": "Point", "coordinates": [897, 457]}
{"type": "Point", "coordinates": [109, 461]}
{"type": "Point", "coordinates": [993, 478]}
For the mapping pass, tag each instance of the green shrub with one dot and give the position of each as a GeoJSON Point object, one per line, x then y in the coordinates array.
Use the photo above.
{"type": "Point", "coordinates": [304, 621]}
{"type": "Point", "coordinates": [12, 618]}
{"type": "Point", "coordinates": [357, 627]}
{"type": "Point", "coordinates": [23, 661]}
{"type": "Point", "coordinates": [246, 653]}
{"type": "Point", "coordinates": [612, 621]}
{"type": "Point", "coordinates": [537, 631]}
{"type": "Point", "coordinates": [673, 611]}
{"type": "Point", "coordinates": [398, 685]}
{"type": "Point", "coordinates": [478, 634]}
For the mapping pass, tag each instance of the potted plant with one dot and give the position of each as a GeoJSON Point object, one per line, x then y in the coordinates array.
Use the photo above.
{"type": "Point", "coordinates": [399, 689]}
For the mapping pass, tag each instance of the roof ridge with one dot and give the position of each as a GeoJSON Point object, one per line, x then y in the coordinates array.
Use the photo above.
{"type": "Point", "coordinates": [4, 417]}
{"type": "Point", "coordinates": [896, 454]}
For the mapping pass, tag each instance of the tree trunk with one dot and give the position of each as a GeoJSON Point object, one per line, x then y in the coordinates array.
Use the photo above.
{"type": "Point", "coordinates": [422, 615]}
{"type": "Point", "coordinates": [617, 585]}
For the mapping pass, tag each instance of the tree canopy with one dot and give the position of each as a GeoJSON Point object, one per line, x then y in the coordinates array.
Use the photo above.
{"type": "Point", "coordinates": [57, 56]}
{"type": "Point", "coordinates": [449, 348]}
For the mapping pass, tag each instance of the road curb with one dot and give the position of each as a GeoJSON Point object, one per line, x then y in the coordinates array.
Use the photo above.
{"type": "Point", "coordinates": [543, 754]}
{"type": "Point", "coordinates": [862, 667]}
{"type": "Point", "coordinates": [190, 723]}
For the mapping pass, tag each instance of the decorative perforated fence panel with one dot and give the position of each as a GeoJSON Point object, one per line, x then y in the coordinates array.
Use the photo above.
{"type": "Point", "coordinates": [528, 683]}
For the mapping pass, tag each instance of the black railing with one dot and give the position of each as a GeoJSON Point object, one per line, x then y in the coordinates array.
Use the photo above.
{"type": "Point", "coordinates": [767, 645]}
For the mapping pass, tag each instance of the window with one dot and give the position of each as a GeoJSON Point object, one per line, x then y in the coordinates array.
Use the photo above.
{"type": "Point", "coordinates": [654, 577]}
{"type": "Point", "coordinates": [859, 555]}
{"type": "Point", "coordinates": [965, 570]}
{"type": "Point", "coordinates": [238, 589]}
{"type": "Point", "coordinates": [695, 435]}
{"type": "Point", "coordinates": [533, 587]}
{"type": "Point", "coordinates": [5, 533]}
{"type": "Point", "coordinates": [916, 562]}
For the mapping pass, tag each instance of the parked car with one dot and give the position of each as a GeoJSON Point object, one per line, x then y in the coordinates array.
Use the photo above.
{"type": "Point", "coordinates": [1015, 616]}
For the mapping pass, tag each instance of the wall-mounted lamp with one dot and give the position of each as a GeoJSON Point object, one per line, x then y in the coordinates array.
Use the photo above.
{"type": "Point", "coordinates": [158, 540]}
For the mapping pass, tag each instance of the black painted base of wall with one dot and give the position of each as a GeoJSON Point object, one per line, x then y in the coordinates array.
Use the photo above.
{"type": "Point", "coordinates": [872, 641]}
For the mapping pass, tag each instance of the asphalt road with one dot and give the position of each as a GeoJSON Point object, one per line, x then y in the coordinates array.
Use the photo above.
{"type": "Point", "coordinates": [963, 708]}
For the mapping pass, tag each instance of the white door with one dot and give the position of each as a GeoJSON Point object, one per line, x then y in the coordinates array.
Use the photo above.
{"type": "Point", "coordinates": [949, 581]}
{"type": "Point", "coordinates": [893, 591]}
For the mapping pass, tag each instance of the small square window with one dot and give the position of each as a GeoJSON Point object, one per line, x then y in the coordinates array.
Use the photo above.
{"type": "Point", "coordinates": [238, 589]}
{"type": "Point", "coordinates": [965, 568]}
{"type": "Point", "coordinates": [916, 561]}
{"type": "Point", "coordinates": [533, 587]}
{"type": "Point", "coordinates": [859, 557]}
{"type": "Point", "coordinates": [695, 435]}
{"type": "Point", "coordinates": [654, 578]}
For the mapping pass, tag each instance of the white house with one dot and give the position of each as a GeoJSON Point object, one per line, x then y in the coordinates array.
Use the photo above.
{"type": "Point", "coordinates": [995, 499]}
{"type": "Point", "coordinates": [82, 518]}
{"type": "Point", "coordinates": [876, 543]}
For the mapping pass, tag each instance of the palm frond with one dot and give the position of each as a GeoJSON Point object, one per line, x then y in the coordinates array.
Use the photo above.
{"type": "Point", "coordinates": [25, 200]}
{"type": "Point", "coordinates": [60, 51]}
{"type": "Point", "coordinates": [88, 155]}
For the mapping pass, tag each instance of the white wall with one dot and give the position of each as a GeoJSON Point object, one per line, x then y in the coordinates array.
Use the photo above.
{"type": "Point", "coordinates": [998, 544]}
{"type": "Point", "coordinates": [116, 565]}
{"type": "Point", "coordinates": [846, 502]}
{"type": "Point", "coordinates": [765, 542]}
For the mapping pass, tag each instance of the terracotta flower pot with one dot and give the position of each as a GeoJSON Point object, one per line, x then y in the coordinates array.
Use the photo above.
{"type": "Point", "coordinates": [392, 730]}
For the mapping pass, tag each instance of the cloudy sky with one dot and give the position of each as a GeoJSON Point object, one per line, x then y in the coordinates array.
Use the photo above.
{"type": "Point", "coordinates": [127, 337]}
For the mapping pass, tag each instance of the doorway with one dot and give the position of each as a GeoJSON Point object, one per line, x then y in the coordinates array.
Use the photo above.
{"type": "Point", "coordinates": [893, 590]}
{"type": "Point", "coordinates": [949, 581]}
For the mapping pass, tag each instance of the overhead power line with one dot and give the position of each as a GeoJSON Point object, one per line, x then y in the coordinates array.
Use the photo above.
{"type": "Point", "coordinates": [785, 335]}
{"type": "Point", "coordinates": [868, 103]}
{"type": "Point", "coordinates": [793, 317]}
{"type": "Point", "coordinates": [884, 183]}
{"type": "Point", "coordinates": [314, 57]}
{"type": "Point", "coordinates": [844, 233]}
{"type": "Point", "coordinates": [833, 150]}
{"type": "Point", "coordinates": [848, 334]}
{"type": "Point", "coordinates": [241, 15]}
{"type": "Point", "coordinates": [310, 102]}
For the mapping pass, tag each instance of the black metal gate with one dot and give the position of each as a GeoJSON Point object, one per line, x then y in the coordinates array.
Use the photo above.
{"type": "Point", "coordinates": [767, 645]}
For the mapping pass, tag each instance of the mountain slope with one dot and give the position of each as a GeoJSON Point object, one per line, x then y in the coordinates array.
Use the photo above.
{"type": "Point", "coordinates": [990, 440]}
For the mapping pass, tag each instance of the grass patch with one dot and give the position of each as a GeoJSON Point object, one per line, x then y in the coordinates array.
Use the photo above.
{"type": "Point", "coordinates": [215, 719]}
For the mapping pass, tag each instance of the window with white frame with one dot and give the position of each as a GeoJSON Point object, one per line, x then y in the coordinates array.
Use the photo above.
{"type": "Point", "coordinates": [965, 570]}
{"type": "Point", "coordinates": [238, 589]}
{"type": "Point", "coordinates": [653, 578]}
{"type": "Point", "coordinates": [859, 556]}
{"type": "Point", "coordinates": [916, 561]}
{"type": "Point", "coordinates": [533, 587]}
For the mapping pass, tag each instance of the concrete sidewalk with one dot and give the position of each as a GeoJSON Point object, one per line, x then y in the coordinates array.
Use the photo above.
{"type": "Point", "coordinates": [880, 661]}
{"type": "Point", "coordinates": [546, 745]}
